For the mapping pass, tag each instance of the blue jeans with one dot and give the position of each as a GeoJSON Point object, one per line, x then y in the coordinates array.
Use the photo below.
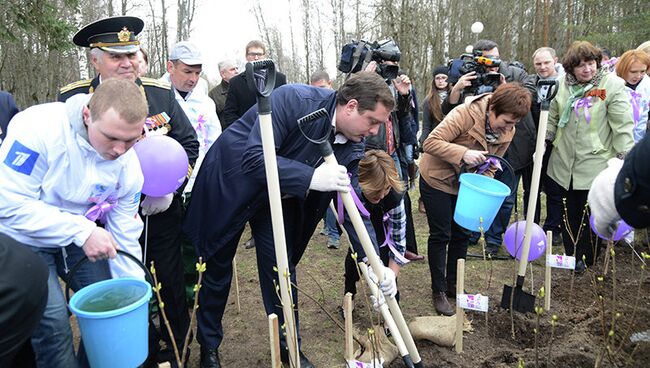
{"type": "Point", "coordinates": [330, 225]}
{"type": "Point", "coordinates": [52, 339]}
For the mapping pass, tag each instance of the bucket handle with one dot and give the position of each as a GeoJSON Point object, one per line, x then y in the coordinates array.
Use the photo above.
{"type": "Point", "coordinates": [504, 162]}
{"type": "Point", "coordinates": [85, 259]}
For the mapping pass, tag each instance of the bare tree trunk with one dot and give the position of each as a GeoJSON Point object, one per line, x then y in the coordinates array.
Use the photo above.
{"type": "Point", "coordinates": [185, 15]}
{"type": "Point", "coordinates": [293, 42]}
{"type": "Point", "coordinates": [124, 7]}
{"type": "Point", "coordinates": [109, 7]}
{"type": "Point", "coordinates": [545, 41]}
{"type": "Point", "coordinates": [306, 25]}
{"type": "Point", "coordinates": [569, 28]}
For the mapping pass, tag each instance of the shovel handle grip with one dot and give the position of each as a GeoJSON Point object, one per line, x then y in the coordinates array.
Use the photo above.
{"type": "Point", "coordinates": [552, 85]}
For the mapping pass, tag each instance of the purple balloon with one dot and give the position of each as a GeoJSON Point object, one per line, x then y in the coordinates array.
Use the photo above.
{"type": "Point", "coordinates": [622, 229]}
{"type": "Point", "coordinates": [537, 240]}
{"type": "Point", "coordinates": [164, 165]}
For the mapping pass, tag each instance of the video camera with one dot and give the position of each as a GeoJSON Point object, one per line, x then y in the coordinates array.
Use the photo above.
{"type": "Point", "coordinates": [485, 81]}
{"type": "Point", "coordinates": [356, 55]}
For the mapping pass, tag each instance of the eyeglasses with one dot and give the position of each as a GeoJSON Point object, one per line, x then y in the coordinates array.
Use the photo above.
{"type": "Point", "coordinates": [255, 54]}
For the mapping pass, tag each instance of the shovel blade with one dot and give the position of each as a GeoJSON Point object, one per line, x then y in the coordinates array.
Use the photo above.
{"type": "Point", "coordinates": [522, 301]}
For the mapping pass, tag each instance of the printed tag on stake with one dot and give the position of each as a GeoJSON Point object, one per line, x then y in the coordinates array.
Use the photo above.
{"type": "Point", "coordinates": [561, 261]}
{"type": "Point", "coordinates": [476, 302]}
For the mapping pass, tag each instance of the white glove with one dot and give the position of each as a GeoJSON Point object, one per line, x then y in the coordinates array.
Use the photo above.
{"type": "Point", "coordinates": [330, 178]}
{"type": "Point", "coordinates": [153, 205]}
{"type": "Point", "coordinates": [377, 302]}
{"type": "Point", "coordinates": [388, 285]}
{"type": "Point", "coordinates": [601, 198]}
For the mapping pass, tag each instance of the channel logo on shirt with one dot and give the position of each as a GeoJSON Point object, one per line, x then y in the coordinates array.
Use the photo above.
{"type": "Point", "coordinates": [21, 158]}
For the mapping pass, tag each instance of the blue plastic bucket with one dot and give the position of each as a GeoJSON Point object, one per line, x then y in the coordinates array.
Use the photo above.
{"type": "Point", "coordinates": [113, 319]}
{"type": "Point", "coordinates": [479, 197]}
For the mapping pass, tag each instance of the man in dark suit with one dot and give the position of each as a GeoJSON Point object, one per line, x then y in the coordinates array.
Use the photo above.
{"type": "Point", "coordinates": [230, 190]}
{"type": "Point", "coordinates": [240, 98]}
{"type": "Point", "coordinates": [7, 111]}
{"type": "Point", "coordinates": [113, 52]}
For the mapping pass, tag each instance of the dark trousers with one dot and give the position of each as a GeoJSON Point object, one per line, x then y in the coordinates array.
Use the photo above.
{"type": "Point", "coordinates": [578, 220]}
{"type": "Point", "coordinates": [447, 240]}
{"type": "Point", "coordinates": [165, 250]}
{"type": "Point", "coordinates": [411, 241]}
{"type": "Point", "coordinates": [218, 276]}
{"type": "Point", "coordinates": [554, 207]}
{"type": "Point", "coordinates": [23, 296]}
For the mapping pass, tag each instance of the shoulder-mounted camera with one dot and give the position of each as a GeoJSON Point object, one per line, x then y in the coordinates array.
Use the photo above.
{"type": "Point", "coordinates": [356, 55]}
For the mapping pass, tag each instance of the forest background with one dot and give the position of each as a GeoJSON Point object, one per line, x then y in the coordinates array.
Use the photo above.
{"type": "Point", "coordinates": [37, 56]}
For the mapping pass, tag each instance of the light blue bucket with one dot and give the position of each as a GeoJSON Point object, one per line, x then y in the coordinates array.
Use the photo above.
{"type": "Point", "coordinates": [479, 197]}
{"type": "Point", "coordinates": [113, 317]}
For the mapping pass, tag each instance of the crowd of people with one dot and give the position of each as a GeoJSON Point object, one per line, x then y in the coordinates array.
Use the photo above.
{"type": "Point", "coordinates": [71, 184]}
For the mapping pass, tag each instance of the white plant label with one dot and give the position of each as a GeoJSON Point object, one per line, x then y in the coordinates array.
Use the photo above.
{"type": "Point", "coordinates": [561, 261]}
{"type": "Point", "coordinates": [476, 302]}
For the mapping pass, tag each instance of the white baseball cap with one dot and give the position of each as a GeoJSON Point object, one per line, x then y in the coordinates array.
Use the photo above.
{"type": "Point", "coordinates": [186, 52]}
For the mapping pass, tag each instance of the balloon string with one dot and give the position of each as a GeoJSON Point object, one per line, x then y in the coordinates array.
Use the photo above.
{"type": "Point", "coordinates": [146, 238]}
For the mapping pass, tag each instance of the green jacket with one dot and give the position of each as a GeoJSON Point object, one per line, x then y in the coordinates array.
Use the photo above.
{"type": "Point", "coordinates": [581, 149]}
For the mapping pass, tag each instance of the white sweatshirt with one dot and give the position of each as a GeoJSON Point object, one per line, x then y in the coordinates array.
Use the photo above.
{"type": "Point", "coordinates": [51, 175]}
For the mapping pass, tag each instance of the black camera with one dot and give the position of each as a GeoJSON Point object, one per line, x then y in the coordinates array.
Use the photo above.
{"type": "Point", "coordinates": [485, 81]}
{"type": "Point", "coordinates": [356, 55]}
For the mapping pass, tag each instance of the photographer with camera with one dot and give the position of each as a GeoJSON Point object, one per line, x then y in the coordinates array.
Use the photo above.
{"type": "Point", "coordinates": [479, 73]}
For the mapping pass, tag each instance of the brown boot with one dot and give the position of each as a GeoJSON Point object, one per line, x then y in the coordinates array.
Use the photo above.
{"type": "Point", "coordinates": [441, 304]}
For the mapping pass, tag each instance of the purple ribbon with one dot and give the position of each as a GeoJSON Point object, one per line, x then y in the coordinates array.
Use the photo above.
{"type": "Point", "coordinates": [388, 241]}
{"type": "Point", "coordinates": [635, 101]}
{"type": "Point", "coordinates": [100, 210]}
{"type": "Point", "coordinates": [200, 125]}
{"type": "Point", "coordinates": [490, 161]}
{"type": "Point", "coordinates": [364, 212]}
{"type": "Point", "coordinates": [583, 103]}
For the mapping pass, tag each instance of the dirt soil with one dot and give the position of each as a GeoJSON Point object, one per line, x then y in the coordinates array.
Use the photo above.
{"type": "Point", "coordinates": [499, 338]}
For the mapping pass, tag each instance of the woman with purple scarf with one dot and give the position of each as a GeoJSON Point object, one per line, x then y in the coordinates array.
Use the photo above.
{"type": "Point", "coordinates": [590, 122]}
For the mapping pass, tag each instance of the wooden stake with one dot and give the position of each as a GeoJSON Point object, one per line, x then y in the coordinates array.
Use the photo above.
{"type": "Point", "coordinates": [347, 314]}
{"type": "Point", "coordinates": [234, 272]}
{"type": "Point", "coordinates": [274, 339]}
{"type": "Point", "coordinates": [547, 280]}
{"type": "Point", "coordinates": [460, 313]}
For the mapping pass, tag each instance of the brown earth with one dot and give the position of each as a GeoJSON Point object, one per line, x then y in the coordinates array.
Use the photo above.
{"type": "Point", "coordinates": [498, 339]}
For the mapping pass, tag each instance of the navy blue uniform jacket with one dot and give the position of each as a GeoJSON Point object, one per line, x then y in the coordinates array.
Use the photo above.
{"type": "Point", "coordinates": [231, 183]}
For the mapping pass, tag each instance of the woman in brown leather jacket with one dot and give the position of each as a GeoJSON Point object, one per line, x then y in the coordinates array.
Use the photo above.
{"type": "Point", "coordinates": [482, 125]}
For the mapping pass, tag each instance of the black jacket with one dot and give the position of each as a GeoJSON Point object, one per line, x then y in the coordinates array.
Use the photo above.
{"type": "Point", "coordinates": [632, 188]}
{"type": "Point", "coordinates": [401, 119]}
{"type": "Point", "coordinates": [240, 98]}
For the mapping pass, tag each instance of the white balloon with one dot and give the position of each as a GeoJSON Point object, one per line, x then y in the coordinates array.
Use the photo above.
{"type": "Point", "coordinates": [477, 27]}
{"type": "Point", "coordinates": [469, 49]}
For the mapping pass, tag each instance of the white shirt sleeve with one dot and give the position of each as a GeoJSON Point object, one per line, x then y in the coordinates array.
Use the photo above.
{"type": "Point", "coordinates": [24, 161]}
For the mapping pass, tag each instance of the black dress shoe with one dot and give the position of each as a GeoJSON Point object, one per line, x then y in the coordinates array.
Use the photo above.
{"type": "Point", "coordinates": [304, 362]}
{"type": "Point", "coordinates": [210, 358]}
{"type": "Point", "coordinates": [580, 267]}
